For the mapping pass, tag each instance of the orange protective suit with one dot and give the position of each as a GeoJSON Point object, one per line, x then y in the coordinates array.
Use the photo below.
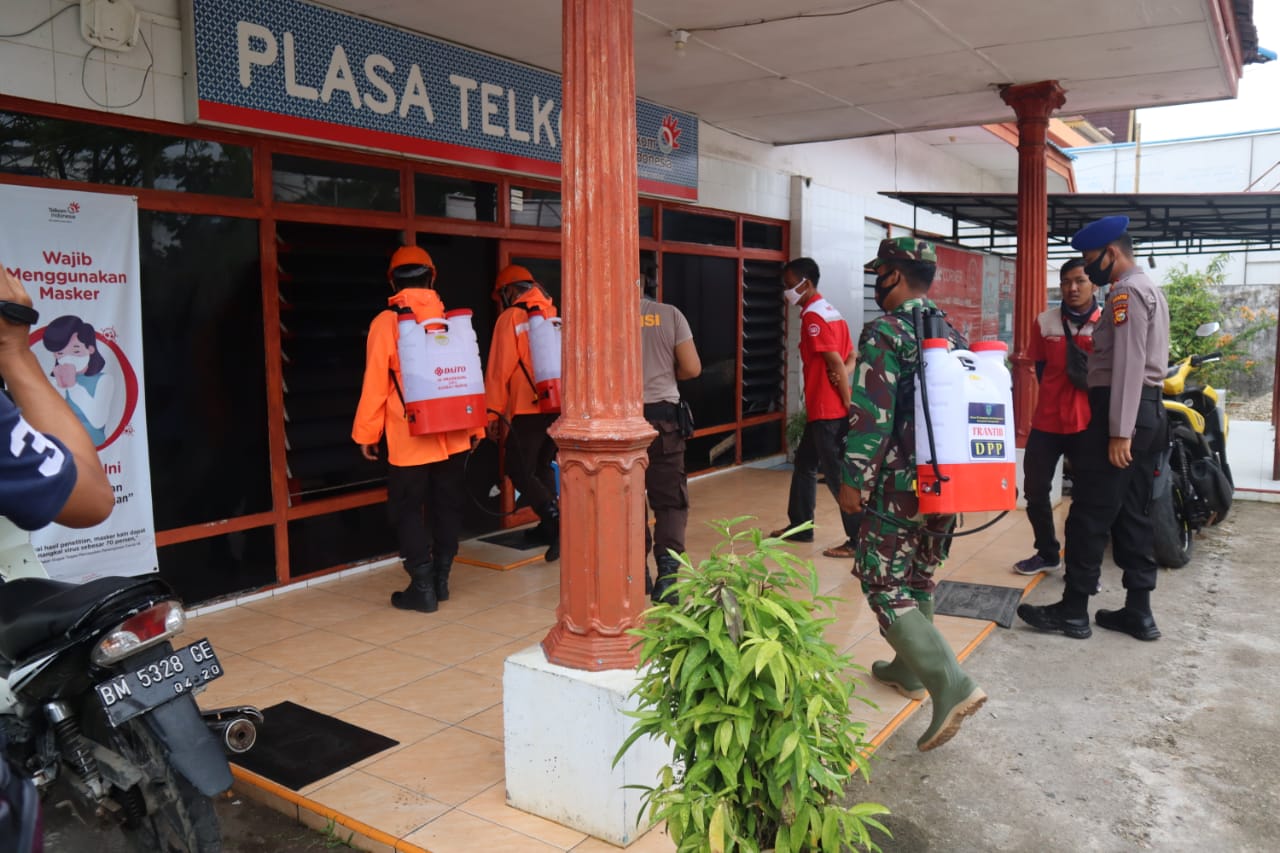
{"type": "Point", "coordinates": [508, 388]}
{"type": "Point", "coordinates": [381, 409]}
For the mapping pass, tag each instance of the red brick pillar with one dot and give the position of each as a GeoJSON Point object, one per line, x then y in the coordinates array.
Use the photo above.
{"type": "Point", "coordinates": [602, 434]}
{"type": "Point", "coordinates": [1032, 103]}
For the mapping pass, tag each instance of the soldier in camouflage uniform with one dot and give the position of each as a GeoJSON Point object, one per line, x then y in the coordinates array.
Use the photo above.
{"type": "Point", "coordinates": [897, 556]}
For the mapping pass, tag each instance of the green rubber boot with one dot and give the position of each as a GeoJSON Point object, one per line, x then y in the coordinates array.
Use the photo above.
{"type": "Point", "coordinates": [955, 695]}
{"type": "Point", "coordinates": [897, 674]}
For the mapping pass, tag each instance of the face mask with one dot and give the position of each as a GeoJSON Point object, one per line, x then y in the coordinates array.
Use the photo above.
{"type": "Point", "coordinates": [882, 292]}
{"type": "Point", "coordinates": [792, 294]}
{"type": "Point", "coordinates": [1095, 272]}
{"type": "Point", "coordinates": [79, 362]}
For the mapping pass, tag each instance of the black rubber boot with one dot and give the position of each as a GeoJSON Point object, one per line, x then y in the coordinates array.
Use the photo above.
{"type": "Point", "coordinates": [550, 515]}
{"type": "Point", "coordinates": [442, 567]}
{"type": "Point", "coordinates": [662, 593]}
{"type": "Point", "coordinates": [421, 594]}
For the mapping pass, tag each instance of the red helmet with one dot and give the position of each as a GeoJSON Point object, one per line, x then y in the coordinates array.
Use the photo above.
{"type": "Point", "coordinates": [410, 262]}
{"type": "Point", "coordinates": [512, 274]}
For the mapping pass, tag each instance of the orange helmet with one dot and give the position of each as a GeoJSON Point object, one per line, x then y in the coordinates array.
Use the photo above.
{"type": "Point", "coordinates": [512, 274]}
{"type": "Point", "coordinates": [410, 263]}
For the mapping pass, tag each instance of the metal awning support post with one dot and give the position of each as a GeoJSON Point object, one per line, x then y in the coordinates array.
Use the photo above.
{"type": "Point", "coordinates": [1032, 103]}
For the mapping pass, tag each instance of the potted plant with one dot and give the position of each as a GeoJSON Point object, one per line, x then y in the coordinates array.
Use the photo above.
{"type": "Point", "coordinates": [738, 679]}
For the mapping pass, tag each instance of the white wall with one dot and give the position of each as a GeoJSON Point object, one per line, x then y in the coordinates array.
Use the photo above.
{"type": "Point", "coordinates": [1228, 164]}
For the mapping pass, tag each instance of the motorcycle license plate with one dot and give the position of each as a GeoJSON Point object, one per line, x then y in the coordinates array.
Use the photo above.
{"type": "Point", "coordinates": [128, 694]}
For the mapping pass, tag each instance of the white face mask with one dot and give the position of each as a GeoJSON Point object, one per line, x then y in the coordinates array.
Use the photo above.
{"type": "Point", "coordinates": [792, 295]}
{"type": "Point", "coordinates": [79, 362]}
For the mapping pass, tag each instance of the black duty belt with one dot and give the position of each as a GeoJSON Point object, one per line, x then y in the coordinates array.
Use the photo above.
{"type": "Point", "coordinates": [1152, 393]}
{"type": "Point", "coordinates": [660, 411]}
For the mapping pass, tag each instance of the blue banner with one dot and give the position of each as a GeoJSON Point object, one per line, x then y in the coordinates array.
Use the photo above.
{"type": "Point", "coordinates": [292, 68]}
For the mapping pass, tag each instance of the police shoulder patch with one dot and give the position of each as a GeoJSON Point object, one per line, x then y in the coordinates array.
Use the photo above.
{"type": "Point", "coordinates": [1119, 314]}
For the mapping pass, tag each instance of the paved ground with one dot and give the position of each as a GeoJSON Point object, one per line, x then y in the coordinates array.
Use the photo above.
{"type": "Point", "coordinates": [1110, 744]}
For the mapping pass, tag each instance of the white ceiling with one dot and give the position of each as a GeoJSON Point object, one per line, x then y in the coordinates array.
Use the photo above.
{"type": "Point", "coordinates": [867, 67]}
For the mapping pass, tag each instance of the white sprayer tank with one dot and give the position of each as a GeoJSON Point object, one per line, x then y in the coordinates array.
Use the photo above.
{"type": "Point", "coordinates": [440, 367]}
{"type": "Point", "coordinates": [544, 348]}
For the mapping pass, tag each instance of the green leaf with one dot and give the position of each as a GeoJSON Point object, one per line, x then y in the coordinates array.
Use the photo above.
{"type": "Point", "coordinates": [789, 746]}
{"type": "Point", "coordinates": [830, 827]}
{"type": "Point", "coordinates": [715, 833]}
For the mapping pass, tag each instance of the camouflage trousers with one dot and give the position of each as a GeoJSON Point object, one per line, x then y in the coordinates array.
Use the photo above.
{"type": "Point", "coordinates": [896, 558]}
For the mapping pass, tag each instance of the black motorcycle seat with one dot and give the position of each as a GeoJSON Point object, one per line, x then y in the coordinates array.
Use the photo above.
{"type": "Point", "coordinates": [34, 611]}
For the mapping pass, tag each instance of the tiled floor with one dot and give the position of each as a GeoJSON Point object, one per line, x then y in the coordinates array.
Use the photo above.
{"type": "Point", "coordinates": [434, 682]}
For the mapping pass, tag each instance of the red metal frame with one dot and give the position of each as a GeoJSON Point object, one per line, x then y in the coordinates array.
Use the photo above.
{"type": "Point", "coordinates": [264, 208]}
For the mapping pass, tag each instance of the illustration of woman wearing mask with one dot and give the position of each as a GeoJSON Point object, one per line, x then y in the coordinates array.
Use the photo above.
{"type": "Point", "coordinates": [77, 373]}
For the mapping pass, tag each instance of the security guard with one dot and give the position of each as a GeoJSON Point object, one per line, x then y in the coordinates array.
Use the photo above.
{"type": "Point", "coordinates": [425, 472]}
{"type": "Point", "coordinates": [1114, 463]}
{"type": "Point", "coordinates": [510, 393]}
{"type": "Point", "coordinates": [896, 555]}
{"type": "Point", "coordinates": [669, 354]}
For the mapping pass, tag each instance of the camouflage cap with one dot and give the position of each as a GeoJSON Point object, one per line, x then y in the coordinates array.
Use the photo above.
{"type": "Point", "coordinates": [902, 249]}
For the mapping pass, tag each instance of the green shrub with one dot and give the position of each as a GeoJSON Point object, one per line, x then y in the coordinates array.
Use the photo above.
{"type": "Point", "coordinates": [739, 680]}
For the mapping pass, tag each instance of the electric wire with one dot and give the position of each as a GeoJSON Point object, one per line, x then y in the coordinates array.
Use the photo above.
{"type": "Point", "coordinates": [37, 26]}
{"type": "Point", "coordinates": [146, 75]}
{"type": "Point", "coordinates": [798, 16]}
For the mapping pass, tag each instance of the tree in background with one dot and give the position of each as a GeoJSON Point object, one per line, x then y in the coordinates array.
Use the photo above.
{"type": "Point", "coordinates": [1194, 299]}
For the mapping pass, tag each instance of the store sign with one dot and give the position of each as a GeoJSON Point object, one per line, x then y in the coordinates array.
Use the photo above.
{"type": "Point", "coordinates": [976, 291]}
{"type": "Point", "coordinates": [291, 68]}
{"type": "Point", "coordinates": [77, 255]}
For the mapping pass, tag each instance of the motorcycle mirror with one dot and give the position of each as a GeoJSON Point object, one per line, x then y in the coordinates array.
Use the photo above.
{"type": "Point", "coordinates": [1204, 330]}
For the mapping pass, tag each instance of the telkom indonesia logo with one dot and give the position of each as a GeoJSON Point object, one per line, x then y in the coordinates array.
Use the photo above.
{"type": "Point", "coordinates": [74, 207]}
{"type": "Point", "coordinates": [669, 134]}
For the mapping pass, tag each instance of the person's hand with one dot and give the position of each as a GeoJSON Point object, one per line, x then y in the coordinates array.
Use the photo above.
{"type": "Point", "coordinates": [834, 377]}
{"type": "Point", "coordinates": [1119, 453]}
{"type": "Point", "coordinates": [850, 499]}
{"type": "Point", "coordinates": [13, 335]}
{"type": "Point", "coordinates": [369, 451]}
{"type": "Point", "coordinates": [65, 375]}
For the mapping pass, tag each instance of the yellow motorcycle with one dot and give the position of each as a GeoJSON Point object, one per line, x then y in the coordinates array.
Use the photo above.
{"type": "Point", "coordinates": [1193, 485]}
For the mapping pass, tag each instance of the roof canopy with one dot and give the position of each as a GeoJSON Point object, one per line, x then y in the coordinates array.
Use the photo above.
{"type": "Point", "coordinates": [1160, 223]}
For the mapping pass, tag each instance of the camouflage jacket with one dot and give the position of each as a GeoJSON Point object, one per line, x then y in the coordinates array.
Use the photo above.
{"type": "Point", "coordinates": [880, 450]}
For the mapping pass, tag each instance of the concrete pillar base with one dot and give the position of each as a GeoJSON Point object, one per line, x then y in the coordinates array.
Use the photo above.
{"type": "Point", "coordinates": [561, 729]}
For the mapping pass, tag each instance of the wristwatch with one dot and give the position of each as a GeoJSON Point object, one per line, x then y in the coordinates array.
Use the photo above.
{"type": "Point", "coordinates": [19, 314]}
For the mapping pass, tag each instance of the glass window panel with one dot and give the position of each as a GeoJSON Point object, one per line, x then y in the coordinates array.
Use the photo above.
{"type": "Point", "coordinates": [339, 538]}
{"type": "Point", "coordinates": [646, 222]}
{"type": "Point", "coordinates": [697, 228]}
{"type": "Point", "coordinates": [455, 198]}
{"type": "Point", "coordinates": [536, 208]}
{"type": "Point", "coordinates": [761, 440]}
{"type": "Point", "coordinates": [205, 377]}
{"type": "Point", "coordinates": [710, 451]}
{"type": "Point", "coordinates": [761, 235]}
{"type": "Point", "coordinates": [220, 566]}
{"type": "Point", "coordinates": [763, 338]}
{"type": "Point", "coordinates": [303, 180]}
{"type": "Point", "coordinates": [77, 151]}
{"type": "Point", "coordinates": [706, 291]}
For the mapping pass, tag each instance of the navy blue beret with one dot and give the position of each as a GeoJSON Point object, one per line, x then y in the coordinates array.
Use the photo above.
{"type": "Point", "coordinates": [1099, 233]}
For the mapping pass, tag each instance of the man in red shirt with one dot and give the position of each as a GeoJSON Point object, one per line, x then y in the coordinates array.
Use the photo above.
{"type": "Point", "coordinates": [1062, 411]}
{"type": "Point", "coordinates": [825, 346]}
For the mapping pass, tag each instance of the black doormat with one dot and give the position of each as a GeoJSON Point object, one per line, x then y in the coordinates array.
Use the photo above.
{"type": "Point", "coordinates": [977, 601]}
{"type": "Point", "coordinates": [514, 539]}
{"type": "Point", "coordinates": [297, 746]}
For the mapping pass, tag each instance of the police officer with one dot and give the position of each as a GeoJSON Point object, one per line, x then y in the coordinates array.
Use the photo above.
{"type": "Point", "coordinates": [510, 393]}
{"type": "Point", "coordinates": [1114, 463]}
{"type": "Point", "coordinates": [424, 472]}
{"type": "Point", "coordinates": [896, 555]}
{"type": "Point", "coordinates": [669, 354]}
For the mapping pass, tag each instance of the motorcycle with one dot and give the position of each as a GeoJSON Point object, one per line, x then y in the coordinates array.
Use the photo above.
{"type": "Point", "coordinates": [94, 692]}
{"type": "Point", "coordinates": [1193, 484]}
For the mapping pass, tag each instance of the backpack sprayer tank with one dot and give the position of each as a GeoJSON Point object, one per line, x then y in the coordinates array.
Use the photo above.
{"type": "Point", "coordinates": [544, 349]}
{"type": "Point", "coordinates": [440, 368]}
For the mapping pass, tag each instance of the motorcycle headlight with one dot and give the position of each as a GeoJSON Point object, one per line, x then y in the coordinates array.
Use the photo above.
{"type": "Point", "coordinates": [143, 630]}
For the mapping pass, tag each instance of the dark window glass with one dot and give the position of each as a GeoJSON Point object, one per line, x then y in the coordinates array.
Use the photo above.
{"type": "Point", "coordinates": [763, 338]}
{"type": "Point", "coordinates": [303, 180]}
{"type": "Point", "coordinates": [333, 283]}
{"type": "Point", "coordinates": [646, 222]}
{"type": "Point", "coordinates": [710, 451]}
{"type": "Point", "coordinates": [536, 208]}
{"type": "Point", "coordinates": [75, 151]}
{"type": "Point", "coordinates": [760, 235]}
{"type": "Point", "coordinates": [339, 538]}
{"type": "Point", "coordinates": [455, 198]}
{"type": "Point", "coordinates": [220, 565]}
{"type": "Point", "coordinates": [706, 291]}
{"type": "Point", "coordinates": [697, 228]}
{"type": "Point", "coordinates": [761, 440]}
{"type": "Point", "coordinates": [205, 377]}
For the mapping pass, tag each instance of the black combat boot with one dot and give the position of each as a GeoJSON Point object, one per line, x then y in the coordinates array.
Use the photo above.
{"type": "Point", "coordinates": [662, 593]}
{"type": "Point", "coordinates": [442, 565]}
{"type": "Point", "coordinates": [550, 515]}
{"type": "Point", "coordinates": [421, 594]}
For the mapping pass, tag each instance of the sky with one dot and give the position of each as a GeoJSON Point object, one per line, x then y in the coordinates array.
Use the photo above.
{"type": "Point", "coordinates": [1256, 108]}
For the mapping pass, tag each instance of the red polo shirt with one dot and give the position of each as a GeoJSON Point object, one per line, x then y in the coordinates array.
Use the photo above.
{"type": "Point", "coordinates": [822, 329]}
{"type": "Point", "coordinates": [1062, 407]}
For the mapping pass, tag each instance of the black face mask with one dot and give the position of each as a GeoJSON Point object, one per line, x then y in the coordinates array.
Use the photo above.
{"type": "Point", "coordinates": [882, 292]}
{"type": "Point", "coordinates": [1095, 272]}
